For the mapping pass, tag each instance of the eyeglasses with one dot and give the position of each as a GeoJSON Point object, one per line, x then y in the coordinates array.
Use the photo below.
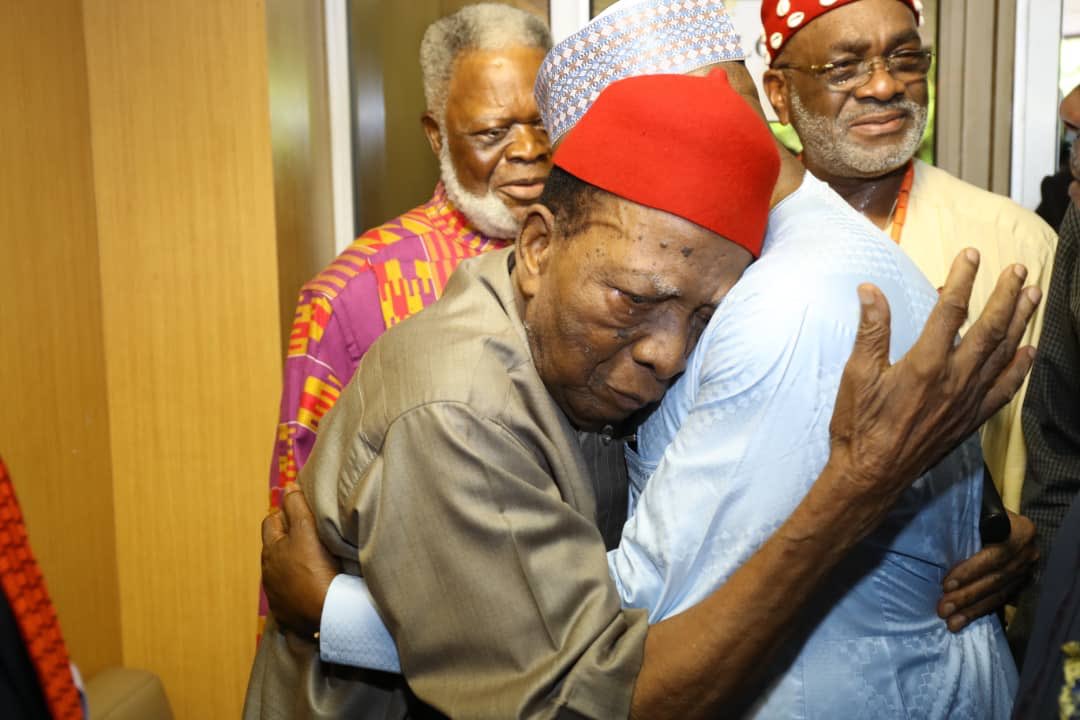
{"type": "Point", "coordinates": [847, 75]}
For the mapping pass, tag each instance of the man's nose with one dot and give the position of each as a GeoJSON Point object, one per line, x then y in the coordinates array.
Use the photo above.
{"type": "Point", "coordinates": [663, 351]}
{"type": "Point", "coordinates": [881, 85]}
{"type": "Point", "coordinates": [529, 144]}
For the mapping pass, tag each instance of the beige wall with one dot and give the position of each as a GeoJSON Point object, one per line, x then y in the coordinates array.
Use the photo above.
{"type": "Point", "coordinates": [140, 326]}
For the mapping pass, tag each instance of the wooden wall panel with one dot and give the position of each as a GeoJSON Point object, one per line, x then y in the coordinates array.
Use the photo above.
{"type": "Point", "coordinates": [974, 98]}
{"type": "Point", "coordinates": [182, 166]}
{"type": "Point", "coordinates": [1004, 78]}
{"type": "Point", "coordinates": [54, 431]}
{"type": "Point", "coordinates": [394, 168]}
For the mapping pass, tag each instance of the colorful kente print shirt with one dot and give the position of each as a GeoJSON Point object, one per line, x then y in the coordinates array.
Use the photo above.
{"type": "Point", "coordinates": [389, 273]}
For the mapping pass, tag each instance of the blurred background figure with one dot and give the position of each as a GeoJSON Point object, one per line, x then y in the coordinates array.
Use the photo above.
{"type": "Point", "coordinates": [1052, 414]}
{"type": "Point", "coordinates": [1050, 682]}
{"type": "Point", "coordinates": [1060, 189]}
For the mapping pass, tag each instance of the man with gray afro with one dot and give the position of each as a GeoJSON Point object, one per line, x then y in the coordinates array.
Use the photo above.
{"type": "Point", "coordinates": [479, 65]}
{"type": "Point", "coordinates": [481, 119]}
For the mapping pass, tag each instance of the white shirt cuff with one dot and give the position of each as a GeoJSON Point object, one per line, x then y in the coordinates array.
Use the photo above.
{"type": "Point", "coordinates": [351, 631]}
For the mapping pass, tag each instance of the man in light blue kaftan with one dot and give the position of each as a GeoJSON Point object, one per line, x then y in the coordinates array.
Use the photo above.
{"type": "Point", "coordinates": [739, 439]}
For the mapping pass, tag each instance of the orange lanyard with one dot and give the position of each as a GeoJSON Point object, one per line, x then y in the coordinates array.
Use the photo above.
{"type": "Point", "coordinates": [902, 197]}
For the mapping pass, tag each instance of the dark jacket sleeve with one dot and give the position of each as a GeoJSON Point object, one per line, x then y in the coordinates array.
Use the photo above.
{"type": "Point", "coordinates": [1051, 413]}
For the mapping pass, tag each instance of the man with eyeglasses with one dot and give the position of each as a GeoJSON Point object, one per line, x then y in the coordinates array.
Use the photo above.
{"type": "Point", "coordinates": [851, 77]}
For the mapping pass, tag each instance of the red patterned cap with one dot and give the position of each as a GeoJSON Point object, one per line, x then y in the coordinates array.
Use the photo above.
{"type": "Point", "coordinates": [783, 18]}
{"type": "Point", "coordinates": [689, 146]}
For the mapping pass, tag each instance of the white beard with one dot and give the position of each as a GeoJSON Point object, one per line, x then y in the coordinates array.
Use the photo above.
{"type": "Point", "coordinates": [487, 213]}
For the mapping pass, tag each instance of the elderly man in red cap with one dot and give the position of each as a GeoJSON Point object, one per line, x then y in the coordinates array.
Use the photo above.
{"type": "Point", "coordinates": [479, 489]}
{"type": "Point", "coordinates": [851, 77]}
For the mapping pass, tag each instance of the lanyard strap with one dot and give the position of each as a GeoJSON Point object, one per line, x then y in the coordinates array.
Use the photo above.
{"type": "Point", "coordinates": [902, 197]}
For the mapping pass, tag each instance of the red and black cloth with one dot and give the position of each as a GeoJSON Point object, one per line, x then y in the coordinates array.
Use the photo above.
{"type": "Point", "coordinates": [35, 670]}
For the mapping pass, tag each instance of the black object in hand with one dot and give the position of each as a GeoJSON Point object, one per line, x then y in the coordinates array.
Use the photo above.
{"type": "Point", "coordinates": [994, 525]}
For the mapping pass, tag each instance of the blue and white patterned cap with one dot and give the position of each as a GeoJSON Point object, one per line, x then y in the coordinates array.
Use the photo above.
{"type": "Point", "coordinates": [632, 37]}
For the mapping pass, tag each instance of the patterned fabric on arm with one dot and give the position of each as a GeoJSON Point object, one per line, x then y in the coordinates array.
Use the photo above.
{"type": "Point", "coordinates": [1051, 414]}
{"type": "Point", "coordinates": [388, 274]}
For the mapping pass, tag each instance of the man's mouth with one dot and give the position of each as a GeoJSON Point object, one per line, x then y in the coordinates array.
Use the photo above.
{"type": "Point", "coordinates": [526, 190]}
{"type": "Point", "coordinates": [629, 402]}
{"type": "Point", "coordinates": [883, 123]}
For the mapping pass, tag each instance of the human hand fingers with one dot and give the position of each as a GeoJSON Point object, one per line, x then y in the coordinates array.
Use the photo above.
{"type": "Point", "coordinates": [951, 310]}
{"type": "Point", "coordinates": [295, 507]}
{"type": "Point", "coordinates": [980, 353]}
{"type": "Point", "coordinates": [273, 527]}
{"type": "Point", "coordinates": [989, 604]}
{"type": "Point", "coordinates": [991, 558]}
{"type": "Point", "coordinates": [1012, 573]}
{"type": "Point", "coordinates": [994, 569]}
{"type": "Point", "coordinates": [872, 338]}
{"type": "Point", "coordinates": [1027, 303]}
{"type": "Point", "coordinates": [853, 419]}
{"type": "Point", "coordinates": [1008, 383]}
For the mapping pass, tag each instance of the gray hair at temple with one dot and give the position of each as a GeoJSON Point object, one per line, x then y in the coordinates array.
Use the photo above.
{"type": "Point", "coordinates": [484, 26]}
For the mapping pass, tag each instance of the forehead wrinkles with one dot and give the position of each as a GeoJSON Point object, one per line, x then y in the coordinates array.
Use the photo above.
{"type": "Point", "coordinates": [494, 78]}
{"type": "Point", "coordinates": [646, 254]}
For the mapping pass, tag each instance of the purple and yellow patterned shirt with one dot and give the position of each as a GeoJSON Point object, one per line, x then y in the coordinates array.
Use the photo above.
{"type": "Point", "coordinates": [389, 273]}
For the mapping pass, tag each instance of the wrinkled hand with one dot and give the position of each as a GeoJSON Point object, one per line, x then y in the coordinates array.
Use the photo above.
{"type": "Point", "coordinates": [296, 568]}
{"type": "Point", "coordinates": [891, 423]}
{"type": "Point", "coordinates": [987, 580]}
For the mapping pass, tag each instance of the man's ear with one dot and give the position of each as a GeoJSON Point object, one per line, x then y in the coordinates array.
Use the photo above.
{"type": "Point", "coordinates": [532, 252]}
{"type": "Point", "coordinates": [433, 132]}
{"type": "Point", "coordinates": [777, 90]}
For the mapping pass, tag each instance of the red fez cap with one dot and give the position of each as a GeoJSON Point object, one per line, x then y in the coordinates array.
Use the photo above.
{"type": "Point", "coordinates": [783, 18]}
{"type": "Point", "coordinates": [690, 146]}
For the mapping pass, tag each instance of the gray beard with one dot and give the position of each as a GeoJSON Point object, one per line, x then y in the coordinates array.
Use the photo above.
{"type": "Point", "coordinates": [826, 141]}
{"type": "Point", "coordinates": [487, 213]}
